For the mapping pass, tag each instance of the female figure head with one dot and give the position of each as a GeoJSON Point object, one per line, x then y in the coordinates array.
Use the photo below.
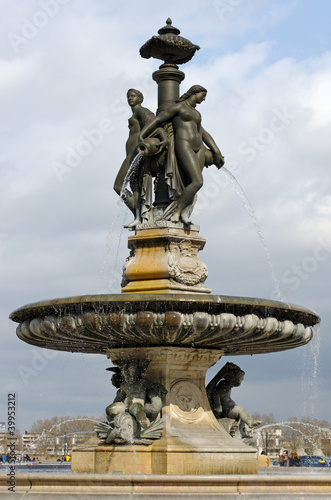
{"type": "Point", "coordinates": [195, 89]}
{"type": "Point", "coordinates": [134, 97]}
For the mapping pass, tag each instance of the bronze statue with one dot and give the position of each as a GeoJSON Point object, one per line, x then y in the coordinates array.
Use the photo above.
{"type": "Point", "coordinates": [125, 430]}
{"type": "Point", "coordinates": [134, 415]}
{"type": "Point", "coordinates": [140, 117]}
{"type": "Point", "coordinates": [234, 418]}
{"type": "Point", "coordinates": [190, 151]}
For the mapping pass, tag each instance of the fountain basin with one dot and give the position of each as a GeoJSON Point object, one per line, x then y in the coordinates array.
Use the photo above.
{"type": "Point", "coordinates": [182, 335]}
{"type": "Point", "coordinates": [96, 323]}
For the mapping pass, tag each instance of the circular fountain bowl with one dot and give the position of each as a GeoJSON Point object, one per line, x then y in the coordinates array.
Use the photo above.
{"type": "Point", "coordinates": [96, 323]}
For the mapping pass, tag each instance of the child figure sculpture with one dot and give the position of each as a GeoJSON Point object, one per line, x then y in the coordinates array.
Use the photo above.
{"type": "Point", "coordinates": [234, 418]}
{"type": "Point", "coordinates": [134, 415]}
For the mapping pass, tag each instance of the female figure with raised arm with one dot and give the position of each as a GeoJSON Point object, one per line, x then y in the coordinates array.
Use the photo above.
{"type": "Point", "coordinates": [191, 153]}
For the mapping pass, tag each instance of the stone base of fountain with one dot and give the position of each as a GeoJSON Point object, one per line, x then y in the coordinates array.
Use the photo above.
{"type": "Point", "coordinates": [169, 458]}
{"type": "Point", "coordinates": [193, 442]}
{"type": "Point", "coordinates": [164, 259]}
{"type": "Point", "coordinates": [276, 484]}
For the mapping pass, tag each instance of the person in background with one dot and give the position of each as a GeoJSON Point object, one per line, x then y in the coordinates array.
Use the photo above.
{"type": "Point", "coordinates": [283, 459]}
{"type": "Point", "coordinates": [294, 459]}
{"type": "Point", "coordinates": [263, 460]}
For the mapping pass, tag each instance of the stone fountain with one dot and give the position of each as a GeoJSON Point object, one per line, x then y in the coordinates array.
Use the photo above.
{"type": "Point", "coordinates": [165, 329]}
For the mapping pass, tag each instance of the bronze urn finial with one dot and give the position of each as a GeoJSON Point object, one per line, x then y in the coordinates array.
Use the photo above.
{"type": "Point", "coordinates": [169, 46]}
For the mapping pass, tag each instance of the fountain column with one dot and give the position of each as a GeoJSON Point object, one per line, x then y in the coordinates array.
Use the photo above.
{"type": "Point", "coordinates": [168, 78]}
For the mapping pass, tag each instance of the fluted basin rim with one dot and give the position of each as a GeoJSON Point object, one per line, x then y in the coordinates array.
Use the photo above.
{"type": "Point", "coordinates": [136, 301]}
{"type": "Point", "coordinates": [232, 325]}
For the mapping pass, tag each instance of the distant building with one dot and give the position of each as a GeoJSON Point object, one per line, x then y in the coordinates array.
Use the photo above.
{"type": "Point", "coordinates": [30, 440]}
{"type": "Point", "coordinates": [325, 441]}
{"type": "Point", "coordinates": [3, 438]}
{"type": "Point", "coordinates": [270, 440]}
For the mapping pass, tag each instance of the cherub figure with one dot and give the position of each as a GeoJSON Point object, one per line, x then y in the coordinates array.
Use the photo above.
{"type": "Point", "coordinates": [136, 407]}
{"type": "Point", "coordinates": [223, 406]}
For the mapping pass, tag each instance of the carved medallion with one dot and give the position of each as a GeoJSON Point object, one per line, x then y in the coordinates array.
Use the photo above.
{"type": "Point", "coordinates": [186, 400]}
{"type": "Point", "coordinates": [185, 265]}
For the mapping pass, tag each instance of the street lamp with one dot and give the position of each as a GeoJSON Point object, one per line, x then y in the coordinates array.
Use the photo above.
{"type": "Point", "coordinates": [65, 445]}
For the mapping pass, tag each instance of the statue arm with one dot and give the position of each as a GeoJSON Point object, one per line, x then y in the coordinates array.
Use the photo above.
{"type": "Point", "coordinates": [157, 121]}
{"type": "Point", "coordinates": [210, 389]}
{"type": "Point", "coordinates": [211, 144]}
{"type": "Point", "coordinates": [144, 115]}
{"type": "Point", "coordinates": [214, 396]}
{"type": "Point", "coordinates": [120, 396]}
{"type": "Point", "coordinates": [212, 386]}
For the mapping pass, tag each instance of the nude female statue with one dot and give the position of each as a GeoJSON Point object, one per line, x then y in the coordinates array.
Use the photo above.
{"type": "Point", "coordinates": [140, 117]}
{"type": "Point", "coordinates": [190, 150]}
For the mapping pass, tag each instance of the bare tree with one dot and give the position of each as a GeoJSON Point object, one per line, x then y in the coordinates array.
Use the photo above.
{"type": "Point", "coordinates": [308, 434]}
{"type": "Point", "coordinates": [57, 435]}
{"type": "Point", "coordinates": [264, 418]}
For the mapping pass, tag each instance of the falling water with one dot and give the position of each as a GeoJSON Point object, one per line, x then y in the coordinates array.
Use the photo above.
{"type": "Point", "coordinates": [293, 426]}
{"type": "Point", "coordinates": [137, 471]}
{"type": "Point", "coordinates": [44, 436]}
{"type": "Point", "coordinates": [309, 376]}
{"type": "Point", "coordinates": [252, 215]}
{"type": "Point", "coordinates": [110, 278]}
{"type": "Point", "coordinates": [310, 359]}
{"type": "Point", "coordinates": [132, 172]}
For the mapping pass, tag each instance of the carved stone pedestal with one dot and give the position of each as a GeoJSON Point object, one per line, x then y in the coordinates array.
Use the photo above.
{"type": "Point", "coordinates": [164, 259]}
{"type": "Point", "coordinates": [192, 440]}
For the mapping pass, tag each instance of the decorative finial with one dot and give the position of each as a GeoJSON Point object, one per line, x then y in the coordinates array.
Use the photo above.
{"type": "Point", "coordinates": [168, 29]}
{"type": "Point", "coordinates": [169, 46]}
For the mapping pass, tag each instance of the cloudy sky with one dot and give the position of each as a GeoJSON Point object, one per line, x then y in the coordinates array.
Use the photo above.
{"type": "Point", "coordinates": [65, 68]}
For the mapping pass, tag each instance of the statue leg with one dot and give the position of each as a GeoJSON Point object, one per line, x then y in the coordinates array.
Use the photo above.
{"type": "Point", "coordinates": [118, 184]}
{"type": "Point", "coordinates": [129, 200]}
{"type": "Point", "coordinates": [115, 409]}
{"type": "Point", "coordinates": [121, 190]}
{"type": "Point", "coordinates": [135, 201]}
{"type": "Point", "coordinates": [240, 412]}
{"type": "Point", "coordinates": [190, 163]}
{"type": "Point", "coordinates": [137, 410]}
{"type": "Point", "coordinates": [186, 213]}
{"type": "Point", "coordinates": [153, 408]}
